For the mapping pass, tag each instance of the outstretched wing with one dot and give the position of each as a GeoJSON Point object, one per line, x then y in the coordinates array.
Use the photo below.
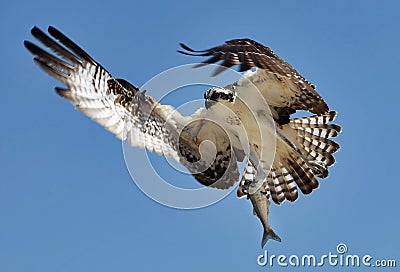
{"type": "Point", "coordinates": [244, 52]}
{"type": "Point", "coordinates": [250, 54]}
{"type": "Point", "coordinates": [130, 114]}
{"type": "Point", "coordinates": [113, 103]}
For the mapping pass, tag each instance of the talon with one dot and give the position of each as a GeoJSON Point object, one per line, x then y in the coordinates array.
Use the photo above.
{"type": "Point", "coordinates": [247, 183]}
{"type": "Point", "coordinates": [245, 186]}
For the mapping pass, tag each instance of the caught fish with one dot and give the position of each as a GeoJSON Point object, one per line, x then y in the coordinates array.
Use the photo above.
{"type": "Point", "coordinates": [260, 202]}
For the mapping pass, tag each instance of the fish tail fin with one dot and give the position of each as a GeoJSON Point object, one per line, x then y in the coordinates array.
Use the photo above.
{"type": "Point", "coordinates": [269, 234]}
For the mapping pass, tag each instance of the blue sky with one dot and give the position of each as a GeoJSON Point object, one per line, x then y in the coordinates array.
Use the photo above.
{"type": "Point", "coordinates": [67, 202]}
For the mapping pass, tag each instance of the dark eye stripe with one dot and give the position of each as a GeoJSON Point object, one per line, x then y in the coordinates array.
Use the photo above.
{"type": "Point", "coordinates": [216, 95]}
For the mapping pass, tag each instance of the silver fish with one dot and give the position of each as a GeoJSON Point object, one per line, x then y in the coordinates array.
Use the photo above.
{"type": "Point", "coordinates": [260, 204]}
{"type": "Point", "coordinates": [261, 209]}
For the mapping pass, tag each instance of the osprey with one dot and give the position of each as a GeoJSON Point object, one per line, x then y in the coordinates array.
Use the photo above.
{"type": "Point", "coordinates": [248, 119]}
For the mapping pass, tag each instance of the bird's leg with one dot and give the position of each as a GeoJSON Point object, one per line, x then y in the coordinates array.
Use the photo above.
{"type": "Point", "coordinates": [245, 188]}
{"type": "Point", "coordinates": [260, 173]}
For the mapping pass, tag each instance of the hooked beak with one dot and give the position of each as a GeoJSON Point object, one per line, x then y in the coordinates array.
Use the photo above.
{"type": "Point", "coordinates": [209, 103]}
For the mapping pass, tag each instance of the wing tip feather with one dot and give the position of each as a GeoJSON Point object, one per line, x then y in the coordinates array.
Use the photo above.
{"type": "Point", "coordinates": [65, 93]}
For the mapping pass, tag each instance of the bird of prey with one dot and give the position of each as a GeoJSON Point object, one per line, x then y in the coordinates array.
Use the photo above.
{"type": "Point", "coordinates": [303, 148]}
{"type": "Point", "coordinates": [241, 124]}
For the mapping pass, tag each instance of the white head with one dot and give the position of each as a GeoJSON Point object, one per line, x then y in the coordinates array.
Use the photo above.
{"type": "Point", "coordinates": [220, 94]}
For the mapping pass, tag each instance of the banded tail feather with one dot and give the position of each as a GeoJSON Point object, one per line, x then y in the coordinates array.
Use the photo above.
{"type": "Point", "coordinates": [300, 167]}
{"type": "Point", "coordinates": [313, 135]}
{"type": "Point", "coordinates": [281, 184]}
